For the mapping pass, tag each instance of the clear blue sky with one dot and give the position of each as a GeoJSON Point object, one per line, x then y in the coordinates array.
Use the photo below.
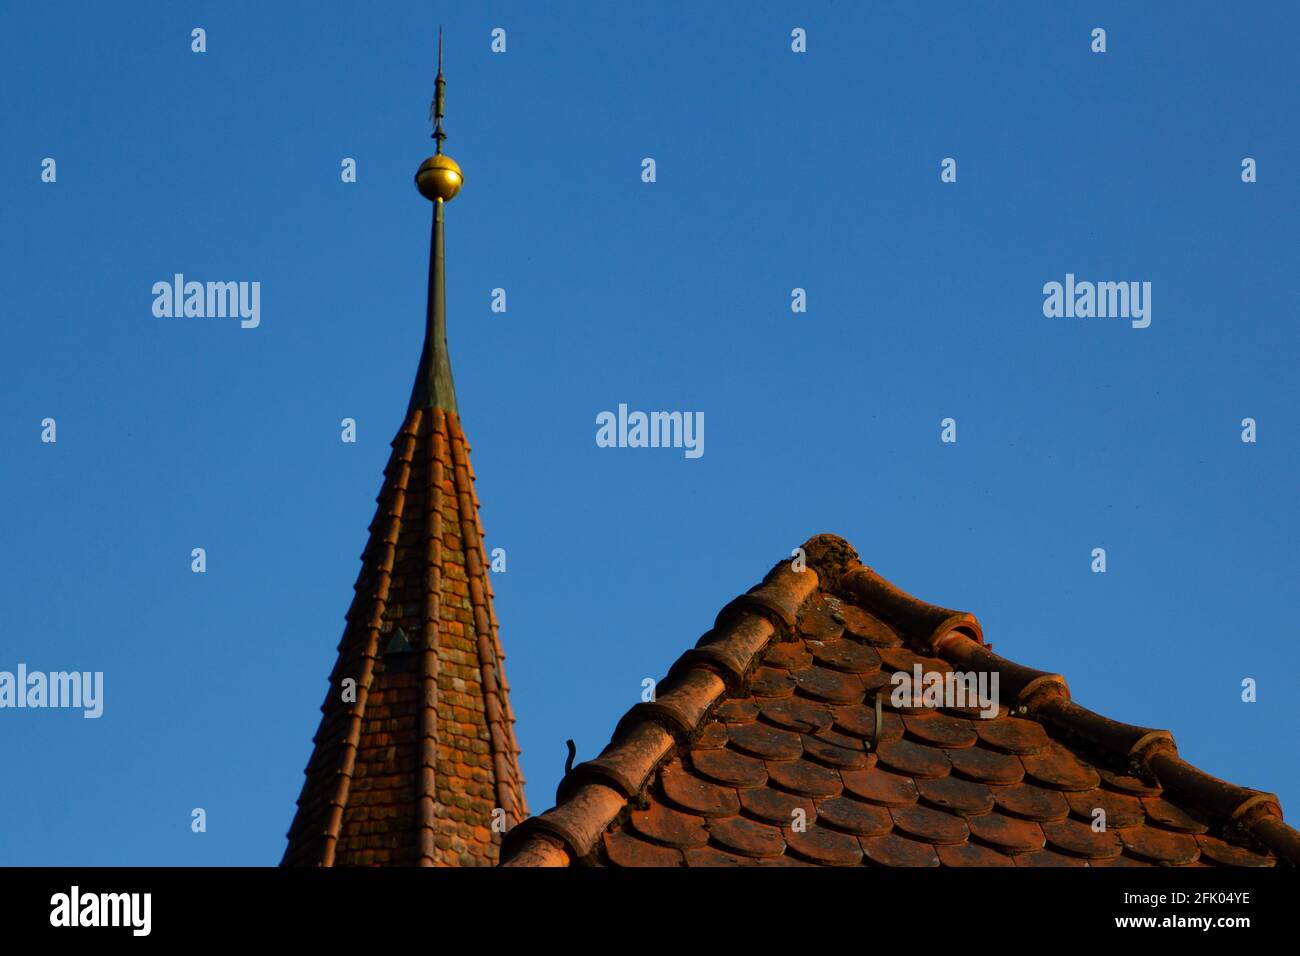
{"type": "Point", "coordinates": [775, 171]}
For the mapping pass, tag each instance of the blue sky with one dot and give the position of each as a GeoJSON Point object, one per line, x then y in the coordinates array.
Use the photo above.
{"type": "Point", "coordinates": [774, 171]}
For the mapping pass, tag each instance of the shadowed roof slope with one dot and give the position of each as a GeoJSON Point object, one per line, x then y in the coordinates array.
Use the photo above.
{"type": "Point", "coordinates": [762, 748]}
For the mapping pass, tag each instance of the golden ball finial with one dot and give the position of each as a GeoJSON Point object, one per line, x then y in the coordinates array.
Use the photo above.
{"type": "Point", "coordinates": [439, 178]}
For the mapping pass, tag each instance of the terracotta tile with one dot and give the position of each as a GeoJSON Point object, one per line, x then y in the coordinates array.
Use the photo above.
{"type": "Point", "coordinates": [877, 684]}
{"type": "Point", "coordinates": [940, 730]}
{"type": "Point", "coordinates": [1161, 811]}
{"type": "Point", "coordinates": [820, 683]}
{"type": "Point", "coordinates": [1079, 839]}
{"type": "Point", "coordinates": [1227, 854]}
{"type": "Point", "coordinates": [729, 768]}
{"type": "Point", "coordinates": [898, 691]}
{"type": "Point", "coordinates": [698, 796]}
{"type": "Point", "coordinates": [1033, 803]}
{"type": "Point", "coordinates": [668, 826]}
{"type": "Point", "coordinates": [737, 710]}
{"type": "Point", "coordinates": [894, 850]}
{"type": "Point", "coordinates": [824, 846]}
{"type": "Point", "coordinates": [1121, 810]}
{"type": "Point", "coordinates": [1046, 858]}
{"type": "Point", "coordinates": [1013, 735]}
{"type": "Point", "coordinates": [860, 624]}
{"type": "Point", "coordinates": [769, 743]}
{"type": "Point", "coordinates": [954, 795]}
{"type": "Point", "coordinates": [972, 854]}
{"type": "Point", "coordinates": [1007, 833]}
{"type": "Point", "coordinates": [797, 714]}
{"type": "Point", "coordinates": [986, 766]}
{"type": "Point", "coordinates": [774, 806]}
{"type": "Point", "coordinates": [770, 682]}
{"type": "Point", "coordinates": [1162, 846]}
{"type": "Point", "coordinates": [713, 736]}
{"type": "Point", "coordinates": [902, 659]}
{"type": "Point", "coordinates": [837, 751]}
{"type": "Point", "coordinates": [787, 655]}
{"type": "Point", "coordinates": [1121, 860]}
{"type": "Point", "coordinates": [820, 623]}
{"type": "Point", "coordinates": [712, 856]}
{"type": "Point", "coordinates": [804, 777]}
{"type": "Point", "coordinates": [847, 656]}
{"type": "Point", "coordinates": [860, 721]}
{"type": "Point", "coordinates": [880, 787]}
{"type": "Point", "coordinates": [913, 759]}
{"type": "Point", "coordinates": [625, 850]}
{"type": "Point", "coordinates": [747, 837]}
{"type": "Point", "coordinates": [1059, 769]}
{"type": "Point", "coordinates": [1127, 783]}
{"type": "Point", "coordinates": [854, 816]}
{"type": "Point", "coordinates": [933, 826]}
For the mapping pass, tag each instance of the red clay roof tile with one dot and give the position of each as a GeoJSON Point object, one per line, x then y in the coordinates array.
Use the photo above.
{"type": "Point", "coordinates": [893, 849]}
{"type": "Point", "coordinates": [823, 845]}
{"type": "Point", "coordinates": [797, 714]}
{"type": "Point", "coordinates": [986, 766]}
{"type": "Point", "coordinates": [747, 837]}
{"type": "Point", "coordinates": [805, 778]}
{"type": "Point", "coordinates": [766, 742]}
{"type": "Point", "coordinates": [880, 786]}
{"type": "Point", "coordinates": [854, 816]}
{"type": "Point", "coordinates": [729, 768]}
{"type": "Point", "coordinates": [670, 827]}
{"type": "Point", "coordinates": [776, 806]}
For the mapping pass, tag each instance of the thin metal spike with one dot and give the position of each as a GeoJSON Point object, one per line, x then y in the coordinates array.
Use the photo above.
{"type": "Point", "coordinates": [436, 108]}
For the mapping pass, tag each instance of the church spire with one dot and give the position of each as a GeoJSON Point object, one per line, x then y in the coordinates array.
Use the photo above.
{"type": "Point", "coordinates": [415, 760]}
{"type": "Point", "coordinates": [439, 180]}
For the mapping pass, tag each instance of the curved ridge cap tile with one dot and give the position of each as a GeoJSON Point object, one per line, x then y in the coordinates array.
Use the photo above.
{"type": "Point", "coordinates": [728, 649]}
{"type": "Point", "coordinates": [576, 824]}
{"type": "Point", "coordinates": [1278, 837]}
{"type": "Point", "coordinates": [1135, 744]}
{"type": "Point", "coordinates": [1258, 814]}
{"type": "Point", "coordinates": [924, 623]}
{"type": "Point", "coordinates": [532, 849]}
{"type": "Point", "coordinates": [690, 693]}
{"type": "Point", "coordinates": [779, 596]}
{"type": "Point", "coordinates": [625, 763]}
{"type": "Point", "coordinates": [1031, 687]}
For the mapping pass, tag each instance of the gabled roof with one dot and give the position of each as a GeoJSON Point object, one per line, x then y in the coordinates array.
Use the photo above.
{"type": "Point", "coordinates": [763, 748]}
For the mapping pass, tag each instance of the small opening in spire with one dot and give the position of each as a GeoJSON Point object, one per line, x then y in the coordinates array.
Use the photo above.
{"type": "Point", "coordinates": [399, 643]}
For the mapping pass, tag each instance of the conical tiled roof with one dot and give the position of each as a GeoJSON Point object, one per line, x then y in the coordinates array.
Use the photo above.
{"type": "Point", "coordinates": [775, 742]}
{"type": "Point", "coordinates": [411, 771]}
{"type": "Point", "coordinates": [415, 761]}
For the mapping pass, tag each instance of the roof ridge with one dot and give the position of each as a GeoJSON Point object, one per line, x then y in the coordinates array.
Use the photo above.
{"type": "Point", "coordinates": [593, 794]}
{"type": "Point", "coordinates": [427, 796]}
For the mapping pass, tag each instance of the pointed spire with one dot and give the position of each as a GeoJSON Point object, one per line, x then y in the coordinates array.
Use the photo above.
{"type": "Point", "coordinates": [416, 760]}
{"type": "Point", "coordinates": [439, 179]}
